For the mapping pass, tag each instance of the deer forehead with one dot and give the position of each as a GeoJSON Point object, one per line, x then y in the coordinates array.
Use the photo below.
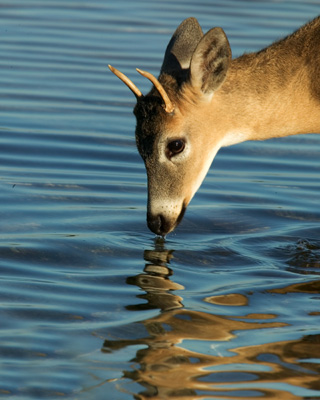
{"type": "Point", "coordinates": [156, 128]}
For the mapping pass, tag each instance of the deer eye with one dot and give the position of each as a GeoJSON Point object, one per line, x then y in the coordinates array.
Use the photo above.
{"type": "Point", "coordinates": [175, 147]}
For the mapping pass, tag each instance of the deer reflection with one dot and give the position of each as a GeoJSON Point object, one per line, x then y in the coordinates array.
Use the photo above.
{"type": "Point", "coordinates": [167, 367]}
{"type": "Point", "coordinates": [155, 281]}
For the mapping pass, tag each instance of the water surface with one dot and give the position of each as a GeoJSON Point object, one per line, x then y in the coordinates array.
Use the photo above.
{"type": "Point", "coordinates": [92, 305]}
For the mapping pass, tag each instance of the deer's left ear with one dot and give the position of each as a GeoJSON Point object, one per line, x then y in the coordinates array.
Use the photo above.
{"type": "Point", "coordinates": [210, 61]}
{"type": "Point", "coordinates": [181, 47]}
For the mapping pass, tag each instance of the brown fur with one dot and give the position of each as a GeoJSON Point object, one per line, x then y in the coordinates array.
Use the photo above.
{"type": "Point", "coordinates": [271, 93]}
{"type": "Point", "coordinates": [298, 53]}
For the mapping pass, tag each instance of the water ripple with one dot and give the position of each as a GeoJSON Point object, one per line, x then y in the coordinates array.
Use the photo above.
{"type": "Point", "coordinates": [90, 302]}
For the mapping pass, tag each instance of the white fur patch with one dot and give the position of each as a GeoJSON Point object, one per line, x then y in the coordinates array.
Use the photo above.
{"type": "Point", "coordinates": [169, 208]}
{"type": "Point", "coordinates": [235, 137]}
{"type": "Point", "coordinates": [204, 171]}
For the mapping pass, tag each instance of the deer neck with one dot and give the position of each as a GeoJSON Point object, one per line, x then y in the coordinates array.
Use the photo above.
{"type": "Point", "coordinates": [266, 95]}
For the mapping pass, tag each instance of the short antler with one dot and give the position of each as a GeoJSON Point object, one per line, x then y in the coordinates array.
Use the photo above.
{"type": "Point", "coordinates": [169, 107]}
{"type": "Point", "coordinates": [127, 81]}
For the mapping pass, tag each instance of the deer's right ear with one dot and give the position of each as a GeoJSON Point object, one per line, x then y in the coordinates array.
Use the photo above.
{"type": "Point", "coordinates": [210, 61]}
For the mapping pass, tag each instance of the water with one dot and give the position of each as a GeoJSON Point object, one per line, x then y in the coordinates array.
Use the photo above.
{"type": "Point", "coordinates": [92, 305]}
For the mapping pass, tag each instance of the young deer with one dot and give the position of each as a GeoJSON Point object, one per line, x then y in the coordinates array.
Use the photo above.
{"type": "Point", "coordinates": [203, 101]}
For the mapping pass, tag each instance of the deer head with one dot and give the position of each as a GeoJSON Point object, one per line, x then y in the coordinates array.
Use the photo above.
{"type": "Point", "coordinates": [175, 119]}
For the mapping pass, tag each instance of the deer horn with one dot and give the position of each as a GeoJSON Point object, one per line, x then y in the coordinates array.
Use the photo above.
{"type": "Point", "coordinates": [169, 107]}
{"type": "Point", "coordinates": [127, 81]}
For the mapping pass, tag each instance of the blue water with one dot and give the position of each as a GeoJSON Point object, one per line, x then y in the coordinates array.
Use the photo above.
{"type": "Point", "coordinates": [92, 305]}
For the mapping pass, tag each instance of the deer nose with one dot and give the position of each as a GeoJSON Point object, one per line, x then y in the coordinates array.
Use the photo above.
{"type": "Point", "coordinates": [162, 225]}
{"type": "Point", "coordinates": [159, 225]}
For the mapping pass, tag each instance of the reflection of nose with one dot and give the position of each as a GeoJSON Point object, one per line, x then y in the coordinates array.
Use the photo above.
{"type": "Point", "coordinates": [162, 225]}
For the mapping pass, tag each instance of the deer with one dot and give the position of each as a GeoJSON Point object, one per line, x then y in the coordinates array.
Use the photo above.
{"type": "Point", "coordinates": [204, 100]}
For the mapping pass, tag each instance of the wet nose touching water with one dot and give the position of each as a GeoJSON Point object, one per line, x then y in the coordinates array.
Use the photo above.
{"type": "Point", "coordinates": [216, 295]}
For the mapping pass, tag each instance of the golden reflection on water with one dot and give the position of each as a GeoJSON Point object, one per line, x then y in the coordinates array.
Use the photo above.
{"type": "Point", "coordinates": [166, 369]}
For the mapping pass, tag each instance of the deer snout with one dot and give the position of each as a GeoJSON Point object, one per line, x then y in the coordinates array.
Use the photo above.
{"type": "Point", "coordinates": [163, 223]}
{"type": "Point", "coordinates": [159, 225]}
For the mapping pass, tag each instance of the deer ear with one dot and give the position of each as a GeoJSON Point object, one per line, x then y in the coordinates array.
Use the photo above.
{"type": "Point", "coordinates": [181, 47]}
{"type": "Point", "coordinates": [210, 61]}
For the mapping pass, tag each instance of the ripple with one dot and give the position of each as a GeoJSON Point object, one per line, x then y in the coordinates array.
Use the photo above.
{"type": "Point", "coordinates": [90, 302]}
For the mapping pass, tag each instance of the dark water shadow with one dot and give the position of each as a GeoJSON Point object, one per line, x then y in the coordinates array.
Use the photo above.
{"type": "Point", "coordinates": [167, 368]}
